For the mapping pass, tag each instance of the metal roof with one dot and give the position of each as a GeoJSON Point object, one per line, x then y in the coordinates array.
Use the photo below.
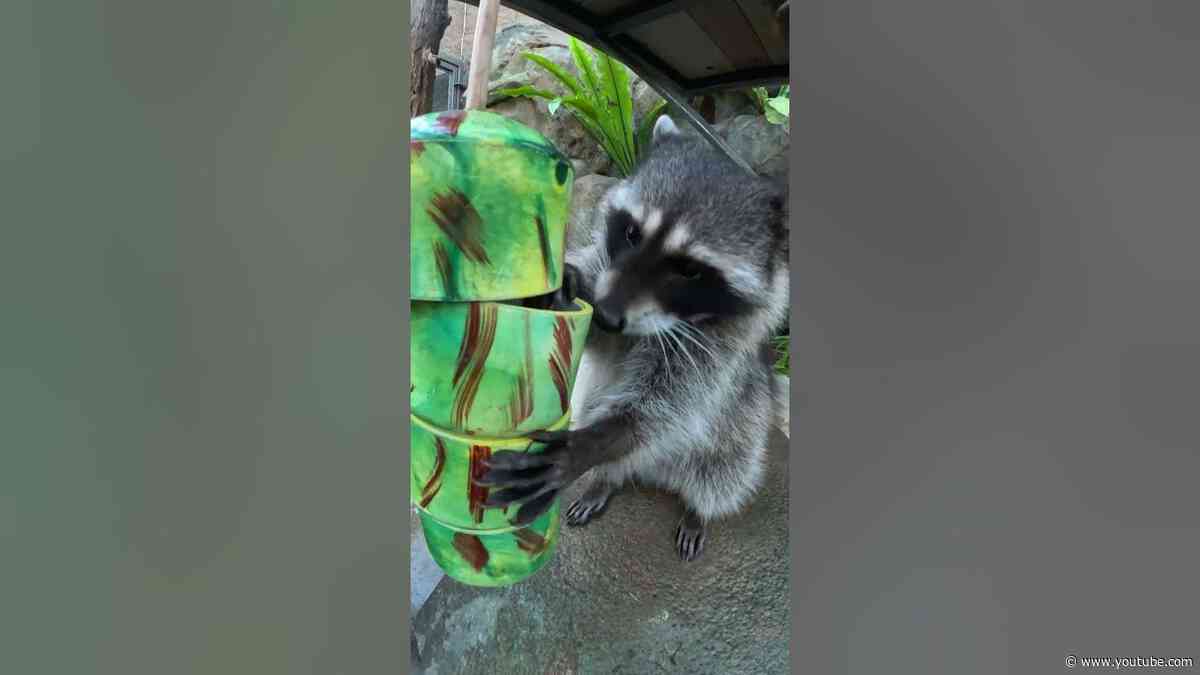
{"type": "Point", "coordinates": [682, 48]}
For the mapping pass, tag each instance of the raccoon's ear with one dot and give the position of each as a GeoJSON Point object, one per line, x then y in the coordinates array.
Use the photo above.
{"type": "Point", "coordinates": [664, 128]}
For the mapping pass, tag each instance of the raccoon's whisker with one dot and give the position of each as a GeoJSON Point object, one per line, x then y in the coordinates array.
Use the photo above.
{"type": "Point", "coordinates": [673, 343]}
{"type": "Point", "coordinates": [698, 343]}
{"type": "Point", "coordinates": [714, 344]}
{"type": "Point", "coordinates": [698, 333]}
{"type": "Point", "coordinates": [674, 335]}
{"type": "Point", "coordinates": [666, 359]}
{"type": "Point", "coordinates": [669, 341]}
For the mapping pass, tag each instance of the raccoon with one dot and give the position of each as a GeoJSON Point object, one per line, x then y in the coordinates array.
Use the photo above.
{"type": "Point", "coordinates": [686, 269]}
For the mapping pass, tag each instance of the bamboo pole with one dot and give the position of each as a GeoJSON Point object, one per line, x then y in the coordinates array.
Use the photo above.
{"type": "Point", "coordinates": [481, 54]}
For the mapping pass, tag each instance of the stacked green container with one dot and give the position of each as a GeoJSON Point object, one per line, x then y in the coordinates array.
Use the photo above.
{"type": "Point", "coordinates": [490, 205]}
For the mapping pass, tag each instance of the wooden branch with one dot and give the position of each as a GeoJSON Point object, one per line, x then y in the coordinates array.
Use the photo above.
{"type": "Point", "coordinates": [481, 54]}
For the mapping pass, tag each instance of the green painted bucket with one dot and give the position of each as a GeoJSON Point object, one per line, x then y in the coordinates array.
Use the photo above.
{"type": "Point", "coordinates": [473, 544]}
{"type": "Point", "coordinates": [479, 558]}
{"type": "Point", "coordinates": [494, 369]}
{"type": "Point", "coordinates": [490, 204]}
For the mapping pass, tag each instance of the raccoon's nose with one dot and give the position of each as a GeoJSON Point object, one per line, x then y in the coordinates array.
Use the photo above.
{"type": "Point", "coordinates": [609, 320]}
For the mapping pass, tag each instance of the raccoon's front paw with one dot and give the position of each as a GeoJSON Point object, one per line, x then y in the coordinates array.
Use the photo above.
{"type": "Point", "coordinates": [532, 480]}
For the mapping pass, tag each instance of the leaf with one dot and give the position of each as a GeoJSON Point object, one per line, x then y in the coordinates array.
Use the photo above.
{"type": "Point", "coordinates": [614, 78]}
{"type": "Point", "coordinates": [595, 89]}
{"type": "Point", "coordinates": [585, 112]}
{"type": "Point", "coordinates": [583, 105]}
{"type": "Point", "coordinates": [778, 111]}
{"type": "Point", "coordinates": [569, 81]}
{"type": "Point", "coordinates": [759, 96]}
{"type": "Point", "coordinates": [614, 116]}
{"type": "Point", "coordinates": [782, 345]}
{"type": "Point", "coordinates": [583, 63]}
{"type": "Point", "coordinates": [526, 90]}
{"type": "Point", "coordinates": [600, 98]}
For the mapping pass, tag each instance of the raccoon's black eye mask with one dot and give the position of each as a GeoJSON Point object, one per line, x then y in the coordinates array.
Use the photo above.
{"type": "Point", "coordinates": [688, 269]}
{"type": "Point", "coordinates": [623, 232]}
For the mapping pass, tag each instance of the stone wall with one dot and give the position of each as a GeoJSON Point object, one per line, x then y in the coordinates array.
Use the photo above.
{"type": "Point", "coordinates": [456, 43]}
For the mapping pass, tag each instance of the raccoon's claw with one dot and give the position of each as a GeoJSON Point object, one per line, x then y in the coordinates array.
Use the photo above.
{"type": "Point", "coordinates": [581, 511]}
{"type": "Point", "coordinates": [533, 509]}
{"type": "Point", "coordinates": [590, 505]}
{"type": "Point", "coordinates": [503, 498]}
{"type": "Point", "coordinates": [532, 480]}
{"type": "Point", "coordinates": [520, 469]}
{"type": "Point", "coordinates": [534, 499]}
{"type": "Point", "coordinates": [689, 539]}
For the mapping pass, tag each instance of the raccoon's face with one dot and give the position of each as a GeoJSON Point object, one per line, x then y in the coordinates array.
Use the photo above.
{"type": "Point", "coordinates": [688, 240]}
{"type": "Point", "coordinates": [659, 276]}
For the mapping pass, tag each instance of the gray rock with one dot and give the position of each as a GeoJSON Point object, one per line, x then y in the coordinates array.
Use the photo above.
{"type": "Point", "coordinates": [762, 144]}
{"type": "Point", "coordinates": [573, 140]}
{"type": "Point", "coordinates": [521, 110]}
{"type": "Point", "coordinates": [730, 104]}
{"type": "Point", "coordinates": [644, 98]}
{"type": "Point", "coordinates": [510, 68]}
{"type": "Point", "coordinates": [585, 194]}
{"type": "Point", "coordinates": [512, 41]}
{"type": "Point", "coordinates": [562, 129]}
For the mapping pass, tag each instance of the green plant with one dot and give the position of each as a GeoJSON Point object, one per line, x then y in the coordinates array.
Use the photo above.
{"type": "Point", "coordinates": [782, 345]}
{"type": "Point", "coordinates": [600, 98]}
{"type": "Point", "coordinates": [777, 107]}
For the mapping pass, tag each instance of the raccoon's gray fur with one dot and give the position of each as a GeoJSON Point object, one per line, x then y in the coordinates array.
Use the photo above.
{"type": "Point", "coordinates": [703, 392]}
{"type": "Point", "coordinates": [686, 268]}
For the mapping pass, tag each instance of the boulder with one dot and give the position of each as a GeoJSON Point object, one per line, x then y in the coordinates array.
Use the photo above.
{"type": "Point", "coordinates": [762, 144]}
{"type": "Point", "coordinates": [511, 69]}
{"type": "Point", "coordinates": [563, 130]}
{"type": "Point", "coordinates": [730, 104]}
{"type": "Point", "coordinates": [644, 97]}
{"type": "Point", "coordinates": [585, 194]}
{"type": "Point", "coordinates": [516, 39]}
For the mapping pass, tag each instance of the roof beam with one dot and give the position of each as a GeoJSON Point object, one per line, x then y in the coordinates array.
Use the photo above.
{"type": "Point", "coordinates": [567, 17]}
{"type": "Point", "coordinates": [643, 14]}
{"type": "Point", "coordinates": [754, 77]}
